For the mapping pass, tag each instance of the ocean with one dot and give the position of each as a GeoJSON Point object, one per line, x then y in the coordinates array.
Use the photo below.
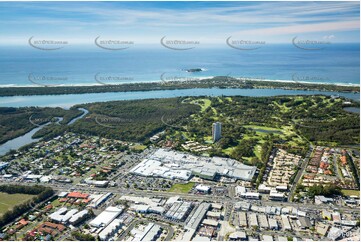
{"type": "Point", "coordinates": [90, 65]}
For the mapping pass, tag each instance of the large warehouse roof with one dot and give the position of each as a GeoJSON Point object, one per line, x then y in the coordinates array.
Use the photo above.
{"type": "Point", "coordinates": [106, 217]}
{"type": "Point", "coordinates": [178, 165]}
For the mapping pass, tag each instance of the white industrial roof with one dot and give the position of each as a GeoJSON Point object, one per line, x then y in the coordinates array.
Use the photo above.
{"type": "Point", "coordinates": [216, 205]}
{"type": "Point", "coordinates": [206, 166]}
{"type": "Point", "coordinates": [201, 238]}
{"type": "Point", "coordinates": [210, 222]}
{"type": "Point", "coordinates": [202, 187]}
{"type": "Point", "coordinates": [140, 207]}
{"type": "Point", "coordinates": [240, 189]}
{"type": "Point", "coordinates": [69, 214]}
{"type": "Point", "coordinates": [143, 200]}
{"type": "Point", "coordinates": [105, 217]}
{"type": "Point", "coordinates": [78, 215]}
{"type": "Point", "coordinates": [58, 215]}
{"type": "Point", "coordinates": [237, 235]}
{"type": "Point", "coordinates": [62, 194]}
{"type": "Point", "coordinates": [109, 229]}
{"type": "Point", "coordinates": [157, 209]}
{"type": "Point", "coordinates": [213, 214]}
{"type": "Point", "coordinates": [267, 238]}
{"type": "Point", "coordinates": [172, 200]}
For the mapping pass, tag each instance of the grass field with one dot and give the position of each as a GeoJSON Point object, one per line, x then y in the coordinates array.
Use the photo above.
{"type": "Point", "coordinates": [8, 201]}
{"type": "Point", "coordinates": [55, 203]}
{"type": "Point", "coordinates": [262, 128]}
{"type": "Point", "coordinates": [139, 147]}
{"type": "Point", "coordinates": [204, 105]}
{"type": "Point", "coordinates": [351, 193]}
{"type": "Point", "coordinates": [183, 188]}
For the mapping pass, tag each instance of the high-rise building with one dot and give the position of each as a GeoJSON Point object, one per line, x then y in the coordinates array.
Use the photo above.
{"type": "Point", "coordinates": [216, 131]}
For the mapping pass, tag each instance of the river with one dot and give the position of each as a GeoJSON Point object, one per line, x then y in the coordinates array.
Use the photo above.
{"type": "Point", "coordinates": [20, 141]}
{"type": "Point", "coordinates": [26, 139]}
{"type": "Point", "coordinates": [85, 112]}
{"type": "Point", "coordinates": [66, 101]}
{"type": "Point", "coordinates": [352, 109]}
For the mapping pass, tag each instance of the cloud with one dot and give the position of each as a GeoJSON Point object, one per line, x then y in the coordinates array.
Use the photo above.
{"type": "Point", "coordinates": [304, 28]}
{"type": "Point", "coordinates": [328, 37]}
{"type": "Point", "coordinates": [204, 20]}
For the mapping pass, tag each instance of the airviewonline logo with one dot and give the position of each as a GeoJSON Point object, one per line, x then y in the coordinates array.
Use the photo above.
{"type": "Point", "coordinates": [45, 80]}
{"type": "Point", "coordinates": [166, 78]}
{"type": "Point", "coordinates": [244, 44]}
{"type": "Point", "coordinates": [307, 44]}
{"type": "Point", "coordinates": [179, 44]}
{"type": "Point", "coordinates": [231, 78]}
{"type": "Point", "coordinates": [47, 44]}
{"type": "Point", "coordinates": [113, 44]}
{"type": "Point", "coordinates": [308, 78]}
{"type": "Point", "coordinates": [107, 80]}
{"type": "Point", "coordinates": [39, 121]}
{"type": "Point", "coordinates": [176, 44]}
{"type": "Point", "coordinates": [110, 122]}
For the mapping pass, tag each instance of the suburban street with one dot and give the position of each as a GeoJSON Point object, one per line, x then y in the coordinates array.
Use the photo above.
{"type": "Point", "coordinates": [299, 174]}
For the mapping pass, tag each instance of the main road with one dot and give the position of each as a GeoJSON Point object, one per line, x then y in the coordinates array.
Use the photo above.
{"type": "Point", "coordinates": [194, 197]}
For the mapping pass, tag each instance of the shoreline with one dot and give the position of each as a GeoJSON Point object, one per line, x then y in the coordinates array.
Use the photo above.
{"type": "Point", "coordinates": [215, 82]}
{"type": "Point", "coordinates": [340, 84]}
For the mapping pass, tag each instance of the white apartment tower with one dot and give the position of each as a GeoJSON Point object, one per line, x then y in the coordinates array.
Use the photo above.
{"type": "Point", "coordinates": [216, 131]}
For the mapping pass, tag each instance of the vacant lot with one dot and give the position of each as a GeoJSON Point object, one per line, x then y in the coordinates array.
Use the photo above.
{"type": "Point", "coordinates": [8, 201]}
{"type": "Point", "coordinates": [183, 188]}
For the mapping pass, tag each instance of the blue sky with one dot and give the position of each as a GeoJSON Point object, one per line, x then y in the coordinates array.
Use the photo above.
{"type": "Point", "coordinates": [206, 22]}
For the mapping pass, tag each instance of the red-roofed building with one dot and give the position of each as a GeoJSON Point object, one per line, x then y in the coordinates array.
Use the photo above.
{"type": "Point", "coordinates": [51, 228]}
{"type": "Point", "coordinates": [327, 172]}
{"type": "Point", "coordinates": [78, 195]}
{"type": "Point", "coordinates": [23, 222]}
{"type": "Point", "coordinates": [309, 176]}
{"type": "Point", "coordinates": [343, 160]}
{"type": "Point", "coordinates": [48, 207]}
{"type": "Point", "coordinates": [32, 233]}
{"type": "Point", "coordinates": [323, 165]}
